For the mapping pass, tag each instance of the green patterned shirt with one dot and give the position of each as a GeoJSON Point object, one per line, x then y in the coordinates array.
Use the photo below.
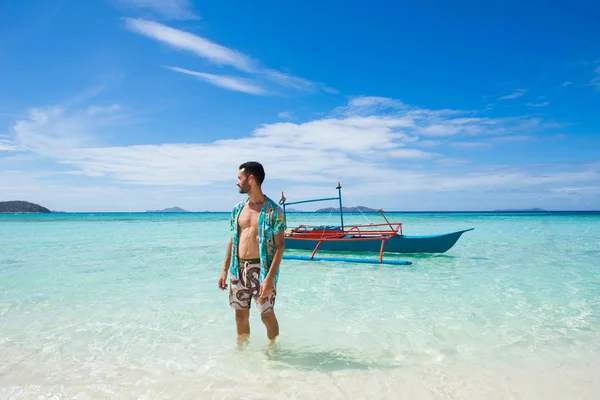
{"type": "Point", "coordinates": [270, 223]}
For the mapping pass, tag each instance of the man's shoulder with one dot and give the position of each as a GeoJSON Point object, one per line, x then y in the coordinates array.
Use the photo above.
{"type": "Point", "coordinates": [238, 206]}
{"type": "Point", "coordinates": [273, 205]}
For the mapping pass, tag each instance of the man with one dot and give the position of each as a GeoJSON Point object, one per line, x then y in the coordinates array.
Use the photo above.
{"type": "Point", "coordinates": [254, 253]}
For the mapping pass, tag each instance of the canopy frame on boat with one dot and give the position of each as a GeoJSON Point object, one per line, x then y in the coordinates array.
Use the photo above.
{"type": "Point", "coordinates": [324, 233]}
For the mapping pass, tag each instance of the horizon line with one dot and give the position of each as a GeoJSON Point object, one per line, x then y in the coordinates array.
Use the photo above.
{"type": "Point", "coordinates": [503, 211]}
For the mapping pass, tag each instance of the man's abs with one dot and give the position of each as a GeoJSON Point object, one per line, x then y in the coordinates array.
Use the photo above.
{"type": "Point", "coordinates": [248, 243]}
{"type": "Point", "coordinates": [248, 231]}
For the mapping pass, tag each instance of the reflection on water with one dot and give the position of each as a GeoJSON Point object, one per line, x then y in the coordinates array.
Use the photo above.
{"type": "Point", "coordinates": [323, 361]}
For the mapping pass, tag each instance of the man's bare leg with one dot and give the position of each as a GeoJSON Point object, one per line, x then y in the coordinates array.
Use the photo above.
{"type": "Point", "coordinates": [270, 321]}
{"type": "Point", "coordinates": [242, 322]}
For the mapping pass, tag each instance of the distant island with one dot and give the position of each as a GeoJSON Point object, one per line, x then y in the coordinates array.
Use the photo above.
{"type": "Point", "coordinates": [522, 210]}
{"type": "Point", "coordinates": [18, 206]}
{"type": "Point", "coordinates": [170, 209]}
{"type": "Point", "coordinates": [347, 209]}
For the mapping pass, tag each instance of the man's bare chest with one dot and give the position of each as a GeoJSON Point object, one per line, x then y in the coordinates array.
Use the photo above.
{"type": "Point", "coordinates": [248, 218]}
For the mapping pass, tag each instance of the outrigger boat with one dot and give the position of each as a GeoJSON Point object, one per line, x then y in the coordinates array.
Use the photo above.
{"type": "Point", "coordinates": [378, 238]}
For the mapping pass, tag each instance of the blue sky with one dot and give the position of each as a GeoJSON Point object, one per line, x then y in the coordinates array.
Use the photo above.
{"type": "Point", "coordinates": [129, 105]}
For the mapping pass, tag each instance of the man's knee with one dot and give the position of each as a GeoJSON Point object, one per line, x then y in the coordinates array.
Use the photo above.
{"type": "Point", "coordinates": [242, 315]}
{"type": "Point", "coordinates": [268, 317]}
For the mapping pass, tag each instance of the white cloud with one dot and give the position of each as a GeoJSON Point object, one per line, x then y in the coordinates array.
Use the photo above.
{"type": "Point", "coordinates": [220, 55]}
{"type": "Point", "coordinates": [489, 142]}
{"type": "Point", "coordinates": [567, 83]}
{"type": "Point", "coordinates": [596, 80]}
{"type": "Point", "coordinates": [511, 138]}
{"type": "Point", "coordinates": [226, 82]}
{"type": "Point", "coordinates": [100, 110]}
{"type": "Point", "coordinates": [428, 143]}
{"type": "Point", "coordinates": [386, 149]}
{"type": "Point", "coordinates": [200, 46]}
{"type": "Point", "coordinates": [471, 145]}
{"type": "Point", "coordinates": [516, 94]}
{"type": "Point", "coordinates": [9, 115]}
{"type": "Point", "coordinates": [92, 195]}
{"type": "Point", "coordinates": [285, 115]}
{"type": "Point", "coordinates": [369, 105]}
{"type": "Point", "coordinates": [6, 144]}
{"type": "Point", "coordinates": [414, 154]}
{"type": "Point", "coordinates": [54, 131]}
{"type": "Point", "coordinates": [329, 146]}
{"type": "Point", "coordinates": [542, 104]}
{"type": "Point", "coordinates": [170, 9]}
{"type": "Point", "coordinates": [509, 177]}
{"type": "Point", "coordinates": [290, 81]}
{"type": "Point", "coordinates": [440, 130]}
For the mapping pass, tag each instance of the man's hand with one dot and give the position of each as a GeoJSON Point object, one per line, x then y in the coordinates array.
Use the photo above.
{"type": "Point", "coordinates": [266, 288]}
{"type": "Point", "coordinates": [223, 281]}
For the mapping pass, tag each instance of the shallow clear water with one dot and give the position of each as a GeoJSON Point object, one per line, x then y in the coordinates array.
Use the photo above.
{"type": "Point", "coordinates": [127, 306]}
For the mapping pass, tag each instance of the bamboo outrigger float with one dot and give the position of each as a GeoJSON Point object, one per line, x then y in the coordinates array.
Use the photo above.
{"type": "Point", "coordinates": [378, 238]}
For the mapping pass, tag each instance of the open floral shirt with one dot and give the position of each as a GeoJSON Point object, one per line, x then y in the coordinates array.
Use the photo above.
{"type": "Point", "coordinates": [270, 223]}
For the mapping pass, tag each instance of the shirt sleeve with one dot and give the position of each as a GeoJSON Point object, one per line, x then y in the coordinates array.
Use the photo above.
{"type": "Point", "coordinates": [278, 222]}
{"type": "Point", "coordinates": [232, 220]}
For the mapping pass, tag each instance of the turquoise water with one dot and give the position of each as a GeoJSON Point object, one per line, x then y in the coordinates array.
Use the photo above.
{"type": "Point", "coordinates": [127, 306]}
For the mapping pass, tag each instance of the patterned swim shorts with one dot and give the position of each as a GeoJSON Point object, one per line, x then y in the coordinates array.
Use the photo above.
{"type": "Point", "coordinates": [247, 286]}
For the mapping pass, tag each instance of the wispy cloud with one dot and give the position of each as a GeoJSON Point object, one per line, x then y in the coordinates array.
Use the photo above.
{"type": "Point", "coordinates": [369, 105]}
{"type": "Point", "coordinates": [575, 189]}
{"type": "Point", "coordinates": [542, 104]}
{"type": "Point", "coordinates": [169, 9]}
{"type": "Point", "coordinates": [220, 55]}
{"type": "Point", "coordinates": [596, 80]}
{"type": "Point", "coordinates": [567, 83]}
{"type": "Point", "coordinates": [285, 115]}
{"type": "Point", "coordinates": [471, 145]}
{"type": "Point", "coordinates": [370, 101]}
{"type": "Point", "coordinates": [515, 95]}
{"type": "Point", "coordinates": [511, 138]}
{"type": "Point", "coordinates": [485, 142]}
{"type": "Point", "coordinates": [428, 143]}
{"type": "Point", "coordinates": [55, 132]}
{"type": "Point", "coordinates": [290, 81]}
{"type": "Point", "coordinates": [584, 62]}
{"type": "Point", "coordinates": [200, 46]}
{"type": "Point", "coordinates": [294, 82]}
{"type": "Point", "coordinates": [9, 115]}
{"type": "Point", "coordinates": [6, 144]}
{"type": "Point", "coordinates": [226, 82]}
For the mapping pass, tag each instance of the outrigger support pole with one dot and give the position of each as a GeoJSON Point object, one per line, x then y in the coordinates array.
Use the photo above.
{"type": "Point", "coordinates": [282, 201]}
{"type": "Point", "coordinates": [386, 220]}
{"type": "Point", "coordinates": [349, 260]}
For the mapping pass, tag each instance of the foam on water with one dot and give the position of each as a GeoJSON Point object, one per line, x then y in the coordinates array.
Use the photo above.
{"type": "Point", "coordinates": [103, 306]}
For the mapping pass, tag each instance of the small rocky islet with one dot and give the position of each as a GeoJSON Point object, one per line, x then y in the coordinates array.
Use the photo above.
{"type": "Point", "coordinates": [19, 206]}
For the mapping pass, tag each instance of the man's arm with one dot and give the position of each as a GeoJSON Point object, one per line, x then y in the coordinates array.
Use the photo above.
{"type": "Point", "coordinates": [223, 278]}
{"type": "Point", "coordinates": [227, 262]}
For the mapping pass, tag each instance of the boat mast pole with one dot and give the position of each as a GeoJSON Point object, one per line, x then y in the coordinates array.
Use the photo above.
{"type": "Point", "coordinates": [339, 188]}
{"type": "Point", "coordinates": [282, 202]}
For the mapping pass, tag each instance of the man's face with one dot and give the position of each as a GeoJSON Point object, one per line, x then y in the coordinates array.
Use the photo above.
{"type": "Point", "coordinates": [243, 181]}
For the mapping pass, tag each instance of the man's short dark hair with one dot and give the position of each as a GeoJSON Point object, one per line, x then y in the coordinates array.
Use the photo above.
{"type": "Point", "coordinates": [254, 168]}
